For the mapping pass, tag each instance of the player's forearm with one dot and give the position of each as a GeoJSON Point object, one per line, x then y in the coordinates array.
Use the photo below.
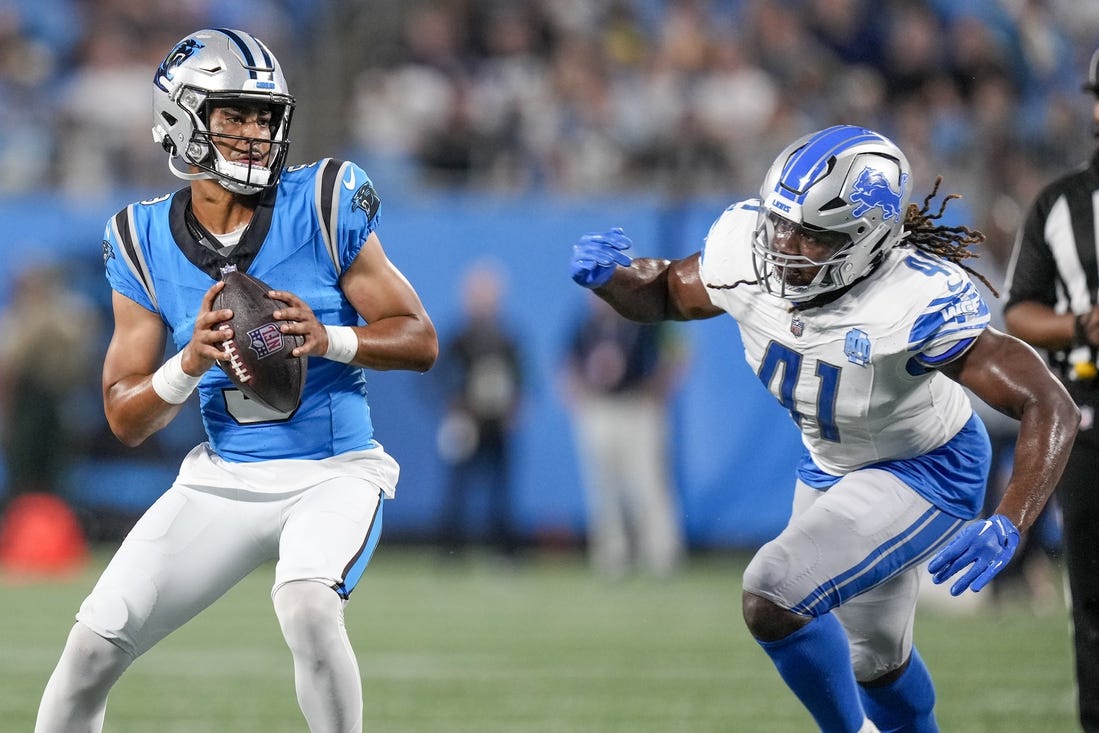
{"type": "Point", "coordinates": [135, 411]}
{"type": "Point", "coordinates": [397, 342]}
{"type": "Point", "coordinates": [639, 292]}
{"type": "Point", "coordinates": [1046, 433]}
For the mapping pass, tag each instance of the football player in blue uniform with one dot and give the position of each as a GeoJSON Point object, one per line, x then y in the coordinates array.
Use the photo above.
{"type": "Point", "coordinates": [857, 313]}
{"type": "Point", "coordinates": [303, 487]}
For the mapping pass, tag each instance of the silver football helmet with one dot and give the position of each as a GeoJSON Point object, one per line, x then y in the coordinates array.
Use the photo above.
{"type": "Point", "coordinates": [845, 187]}
{"type": "Point", "coordinates": [212, 68]}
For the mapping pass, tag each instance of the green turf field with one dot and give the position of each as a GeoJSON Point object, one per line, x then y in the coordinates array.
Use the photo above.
{"type": "Point", "coordinates": [544, 648]}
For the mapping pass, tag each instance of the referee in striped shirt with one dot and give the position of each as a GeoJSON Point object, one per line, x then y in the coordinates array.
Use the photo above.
{"type": "Point", "coordinates": [1052, 284]}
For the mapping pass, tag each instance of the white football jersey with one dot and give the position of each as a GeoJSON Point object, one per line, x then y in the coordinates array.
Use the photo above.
{"type": "Point", "coordinates": [858, 374]}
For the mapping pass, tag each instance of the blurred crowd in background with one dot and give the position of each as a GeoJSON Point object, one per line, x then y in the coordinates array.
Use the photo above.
{"type": "Point", "coordinates": [576, 96]}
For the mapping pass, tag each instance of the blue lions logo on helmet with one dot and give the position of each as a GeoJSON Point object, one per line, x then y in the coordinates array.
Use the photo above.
{"type": "Point", "coordinates": [871, 189]}
{"type": "Point", "coordinates": [184, 50]}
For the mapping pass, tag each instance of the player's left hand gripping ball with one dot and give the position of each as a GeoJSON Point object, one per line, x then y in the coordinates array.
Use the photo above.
{"type": "Point", "coordinates": [985, 546]}
{"type": "Point", "coordinates": [258, 357]}
{"type": "Point", "coordinates": [595, 257]}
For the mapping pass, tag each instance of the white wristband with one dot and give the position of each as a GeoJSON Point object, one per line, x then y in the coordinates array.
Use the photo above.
{"type": "Point", "coordinates": [171, 383]}
{"type": "Point", "coordinates": [343, 344]}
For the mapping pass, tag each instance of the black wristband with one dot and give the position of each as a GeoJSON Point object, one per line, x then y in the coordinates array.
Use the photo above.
{"type": "Point", "coordinates": [1080, 332]}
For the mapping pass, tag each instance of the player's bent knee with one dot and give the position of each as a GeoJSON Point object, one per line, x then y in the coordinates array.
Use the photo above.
{"type": "Point", "coordinates": [768, 570]}
{"type": "Point", "coordinates": [94, 660]}
{"type": "Point", "coordinates": [756, 611]}
{"type": "Point", "coordinates": [767, 621]}
{"type": "Point", "coordinates": [309, 614]}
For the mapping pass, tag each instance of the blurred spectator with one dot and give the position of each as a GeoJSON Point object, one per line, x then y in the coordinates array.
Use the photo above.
{"type": "Point", "coordinates": [50, 337]}
{"type": "Point", "coordinates": [104, 107]}
{"type": "Point", "coordinates": [31, 54]}
{"type": "Point", "coordinates": [914, 49]}
{"type": "Point", "coordinates": [620, 376]}
{"type": "Point", "coordinates": [848, 28]}
{"type": "Point", "coordinates": [482, 373]}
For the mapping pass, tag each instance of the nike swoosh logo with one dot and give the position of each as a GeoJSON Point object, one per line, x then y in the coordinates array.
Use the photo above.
{"type": "Point", "coordinates": [349, 180]}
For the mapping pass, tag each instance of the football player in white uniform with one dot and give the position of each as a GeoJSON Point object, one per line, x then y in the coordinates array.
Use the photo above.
{"type": "Point", "coordinates": [856, 312]}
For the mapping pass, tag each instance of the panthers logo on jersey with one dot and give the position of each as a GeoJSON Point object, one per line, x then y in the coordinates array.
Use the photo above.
{"type": "Point", "coordinates": [366, 198]}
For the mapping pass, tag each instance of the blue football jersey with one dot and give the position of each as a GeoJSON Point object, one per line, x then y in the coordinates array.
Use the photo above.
{"type": "Point", "coordinates": [304, 233]}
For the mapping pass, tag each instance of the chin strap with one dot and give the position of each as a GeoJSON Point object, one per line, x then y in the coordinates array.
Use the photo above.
{"type": "Point", "coordinates": [235, 186]}
{"type": "Point", "coordinates": [186, 175]}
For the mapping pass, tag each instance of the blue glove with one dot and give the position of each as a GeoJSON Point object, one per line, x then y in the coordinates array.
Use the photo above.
{"type": "Point", "coordinates": [595, 256]}
{"type": "Point", "coordinates": [987, 545]}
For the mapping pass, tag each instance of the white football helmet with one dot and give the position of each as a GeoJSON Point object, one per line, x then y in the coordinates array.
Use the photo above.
{"type": "Point", "coordinates": [845, 180]}
{"type": "Point", "coordinates": [212, 68]}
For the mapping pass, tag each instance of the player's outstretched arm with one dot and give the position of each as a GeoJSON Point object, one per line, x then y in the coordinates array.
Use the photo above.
{"type": "Point", "coordinates": [1011, 377]}
{"type": "Point", "coordinates": [644, 289]}
{"type": "Point", "coordinates": [140, 394]}
{"type": "Point", "coordinates": [399, 334]}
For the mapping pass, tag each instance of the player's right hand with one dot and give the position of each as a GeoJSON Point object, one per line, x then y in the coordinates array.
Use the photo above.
{"type": "Point", "coordinates": [595, 257]}
{"type": "Point", "coordinates": [206, 345]}
{"type": "Point", "coordinates": [984, 547]}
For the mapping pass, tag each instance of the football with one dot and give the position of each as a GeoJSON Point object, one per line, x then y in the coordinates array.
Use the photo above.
{"type": "Point", "coordinates": [258, 357]}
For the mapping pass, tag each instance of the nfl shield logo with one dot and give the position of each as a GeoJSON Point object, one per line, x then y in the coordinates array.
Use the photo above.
{"type": "Point", "coordinates": [797, 327]}
{"type": "Point", "coordinates": [265, 340]}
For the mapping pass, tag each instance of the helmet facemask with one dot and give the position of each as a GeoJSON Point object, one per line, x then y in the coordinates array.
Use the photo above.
{"type": "Point", "coordinates": [209, 70]}
{"type": "Point", "coordinates": [844, 191]}
{"type": "Point", "coordinates": [788, 274]}
{"type": "Point", "coordinates": [261, 169]}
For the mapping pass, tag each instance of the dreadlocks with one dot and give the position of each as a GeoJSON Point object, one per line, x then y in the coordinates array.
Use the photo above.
{"type": "Point", "coordinates": [949, 243]}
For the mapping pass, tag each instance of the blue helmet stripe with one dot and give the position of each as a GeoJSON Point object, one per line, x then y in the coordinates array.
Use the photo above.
{"type": "Point", "coordinates": [808, 163]}
{"type": "Point", "coordinates": [267, 60]}
{"type": "Point", "coordinates": [249, 59]}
